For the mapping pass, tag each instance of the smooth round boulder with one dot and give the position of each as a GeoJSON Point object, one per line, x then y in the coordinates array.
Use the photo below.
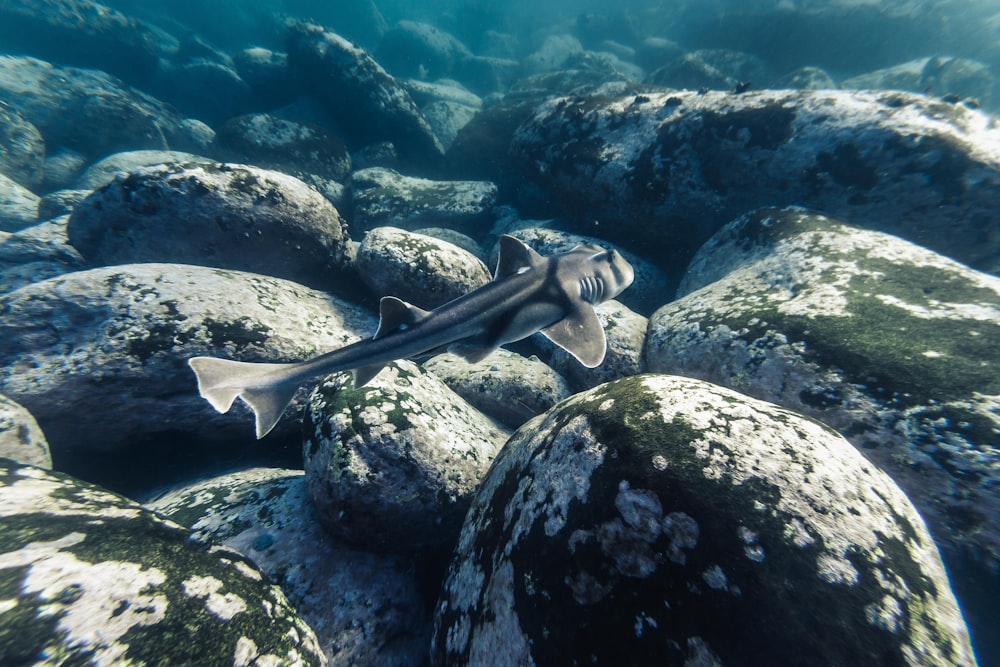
{"type": "Point", "coordinates": [90, 577]}
{"type": "Point", "coordinates": [221, 215]}
{"type": "Point", "coordinates": [21, 439]}
{"type": "Point", "coordinates": [659, 520]}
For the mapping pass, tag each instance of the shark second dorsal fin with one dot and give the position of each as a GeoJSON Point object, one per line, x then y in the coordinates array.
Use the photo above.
{"type": "Point", "coordinates": [396, 315]}
{"type": "Point", "coordinates": [515, 256]}
{"type": "Point", "coordinates": [580, 333]}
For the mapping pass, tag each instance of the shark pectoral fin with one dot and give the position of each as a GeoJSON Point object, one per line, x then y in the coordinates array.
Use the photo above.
{"type": "Point", "coordinates": [365, 374]}
{"type": "Point", "coordinates": [396, 315]}
{"type": "Point", "coordinates": [515, 256]}
{"type": "Point", "coordinates": [580, 333]}
{"type": "Point", "coordinates": [472, 352]}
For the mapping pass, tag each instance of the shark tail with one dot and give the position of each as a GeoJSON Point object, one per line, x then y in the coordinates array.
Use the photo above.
{"type": "Point", "coordinates": [220, 381]}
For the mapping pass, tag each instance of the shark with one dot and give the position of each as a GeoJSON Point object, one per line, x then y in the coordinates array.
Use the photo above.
{"type": "Point", "coordinates": [529, 293]}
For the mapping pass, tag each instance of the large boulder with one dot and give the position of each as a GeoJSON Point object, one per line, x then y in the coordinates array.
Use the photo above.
{"type": "Point", "coordinates": [99, 357]}
{"type": "Point", "coordinates": [367, 103]}
{"type": "Point", "coordinates": [658, 520]}
{"type": "Point", "coordinates": [221, 215]}
{"type": "Point", "coordinates": [663, 171]}
{"type": "Point", "coordinates": [94, 578]}
{"type": "Point", "coordinates": [364, 608]}
{"type": "Point", "coordinates": [886, 341]}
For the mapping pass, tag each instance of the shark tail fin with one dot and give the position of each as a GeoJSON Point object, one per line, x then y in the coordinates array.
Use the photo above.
{"type": "Point", "coordinates": [220, 381]}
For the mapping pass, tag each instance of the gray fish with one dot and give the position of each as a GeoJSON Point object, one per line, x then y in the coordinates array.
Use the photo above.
{"type": "Point", "coordinates": [529, 293]}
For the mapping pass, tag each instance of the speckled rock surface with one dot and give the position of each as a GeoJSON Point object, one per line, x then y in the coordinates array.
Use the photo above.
{"type": "Point", "coordinates": [89, 577]}
{"type": "Point", "coordinates": [392, 466]}
{"type": "Point", "coordinates": [365, 609]}
{"type": "Point", "coordinates": [663, 171]}
{"type": "Point", "coordinates": [222, 215]}
{"type": "Point", "coordinates": [505, 385]}
{"type": "Point", "coordinates": [18, 206]}
{"type": "Point", "coordinates": [21, 439]}
{"type": "Point", "coordinates": [892, 344]}
{"type": "Point", "coordinates": [102, 172]}
{"type": "Point", "coordinates": [99, 357]}
{"type": "Point", "coordinates": [365, 101]}
{"type": "Point", "coordinates": [650, 289]}
{"type": "Point", "coordinates": [418, 269]}
{"type": "Point", "coordinates": [22, 149]}
{"type": "Point", "coordinates": [662, 520]}
{"type": "Point", "coordinates": [90, 111]}
{"type": "Point", "coordinates": [36, 253]}
{"type": "Point", "coordinates": [383, 197]}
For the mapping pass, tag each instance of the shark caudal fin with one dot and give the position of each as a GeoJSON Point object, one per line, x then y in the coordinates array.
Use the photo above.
{"type": "Point", "coordinates": [220, 381]}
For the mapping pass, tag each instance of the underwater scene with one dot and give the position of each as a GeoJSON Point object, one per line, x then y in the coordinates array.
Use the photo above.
{"type": "Point", "coordinates": [499, 333]}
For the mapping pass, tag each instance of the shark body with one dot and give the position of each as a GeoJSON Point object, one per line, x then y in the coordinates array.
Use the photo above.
{"type": "Point", "coordinates": [529, 293]}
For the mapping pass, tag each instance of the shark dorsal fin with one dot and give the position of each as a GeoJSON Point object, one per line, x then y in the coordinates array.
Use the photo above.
{"type": "Point", "coordinates": [396, 315]}
{"type": "Point", "coordinates": [515, 256]}
{"type": "Point", "coordinates": [580, 333]}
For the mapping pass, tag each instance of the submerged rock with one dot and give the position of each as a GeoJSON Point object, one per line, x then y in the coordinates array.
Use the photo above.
{"type": "Point", "coordinates": [383, 197]}
{"type": "Point", "coordinates": [393, 465]}
{"type": "Point", "coordinates": [364, 608]}
{"type": "Point", "coordinates": [663, 171]}
{"type": "Point", "coordinates": [667, 521]}
{"type": "Point", "coordinates": [367, 103]}
{"type": "Point", "coordinates": [886, 341]}
{"type": "Point", "coordinates": [18, 206]}
{"type": "Point", "coordinates": [421, 270]}
{"type": "Point", "coordinates": [92, 112]}
{"type": "Point", "coordinates": [104, 171]}
{"type": "Point", "coordinates": [92, 577]}
{"type": "Point", "coordinates": [99, 357]}
{"type": "Point", "coordinates": [21, 439]}
{"type": "Point", "coordinates": [415, 49]}
{"type": "Point", "coordinates": [35, 254]}
{"type": "Point", "coordinates": [222, 215]}
{"type": "Point", "coordinates": [22, 149]}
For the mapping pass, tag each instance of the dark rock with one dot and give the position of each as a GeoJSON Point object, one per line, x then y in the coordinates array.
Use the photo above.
{"type": "Point", "coordinates": [367, 103]}
{"type": "Point", "coordinates": [666, 521]}
{"type": "Point", "coordinates": [268, 75]}
{"type": "Point", "coordinates": [226, 216]}
{"type": "Point", "coordinates": [420, 50]}
{"type": "Point", "coordinates": [95, 578]}
{"type": "Point", "coordinates": [663, 171]}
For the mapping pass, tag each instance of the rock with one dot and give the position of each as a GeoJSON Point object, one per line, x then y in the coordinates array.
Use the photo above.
{"type": "Point", "coordinates": [415, 49]}
{"type": "Point", "coordinates": [267, 74]}
{"type": "Point", "coordinates": [656, 52]}
{"type": "Point", "coordinates": [185, 83]}
{"type": "Point", "coordinates": [60, 203]}
{"type": "Point", "coordinates": [367, 103]}
{"type": "Point", "coordinates": [22, 149]}
{"type": "Point", "coordinates": [663, 520]}
{"type": "Point", "coordinates": [221, 215]}
{"type": "Point", "coordinates": [905, 76]}
{"type": "Point", "coordinates": [447, 119]}
{"type": "Point", "coordinates": [715, 69]}
{"type": "Point", "coordinates": [443, 90]}
{"type": "Point", "coordinates": [36, 254]}
{"type": "Point", "coordinates": [506, 386]}
{"type": "Point", "coordinates": [383, 197]}
{"type": "Point", "coordinates": [393, 465]}
{"type": "Point", "coordinates": [935, 76]}
{"type": "Point", "coordinates": [610, 65]}
{"type": "Point", "coordinates": [552, 54]}
{"type": "Point", "coordinates": [806, 78]}
{"type": "Point", "coordinates": [897, 162]}
{"type": "Point", "coordinates": [89, 111]}
{"type": "Point", "coordinates": [92, 577]}
{"type": "Point", "coordinates": [651, 288]}
{"type": "Point", "coordinates": [309, 152]}
{"type": "Point", "coordinates": [487, 75]}
{"type": "Point", "coordinates": [99, 357]}
{"type": "Point", "coordinates": [105, 170]}
{"type": "Point", "coordinates": [888, 342]}
{"type": "Point", "coordinates": [626, 334]}
{"type": "Point", "coordinates": [85, 33]}
{"type": "Point", "coordinates": [62, 166]}
{"type": "Point", "coordinates": [466, 243]}
{"type": "Point", "coordinates": [18, 206]}
{"type": "Point", "coordinates": [364, 608]}
{"type": "Point", "coordinates": [21, 439]}
{"type": "Point", "coordinates": [421, 270]}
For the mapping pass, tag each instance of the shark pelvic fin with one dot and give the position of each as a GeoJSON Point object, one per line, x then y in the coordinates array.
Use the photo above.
{"type": "Point", "coordinates": [515, 256]}
{"type": "Point", "coordinates": [471, 351]}
{"type": "Point", "coordinates": [396, 315]}
{"type": "Point", "coordinates": [365, 374]}
{"type": "Point", "coordinates": [580, 333]}
{"type": "Point", "coordinates": [220, 381]}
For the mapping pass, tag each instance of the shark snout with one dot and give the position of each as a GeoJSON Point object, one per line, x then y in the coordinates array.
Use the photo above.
{"type": "Point", "coordinates": [621, 274]}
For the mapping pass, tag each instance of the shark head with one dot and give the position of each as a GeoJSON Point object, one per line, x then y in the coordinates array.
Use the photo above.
{"type": "Point", "coordinates": [601, 274]}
